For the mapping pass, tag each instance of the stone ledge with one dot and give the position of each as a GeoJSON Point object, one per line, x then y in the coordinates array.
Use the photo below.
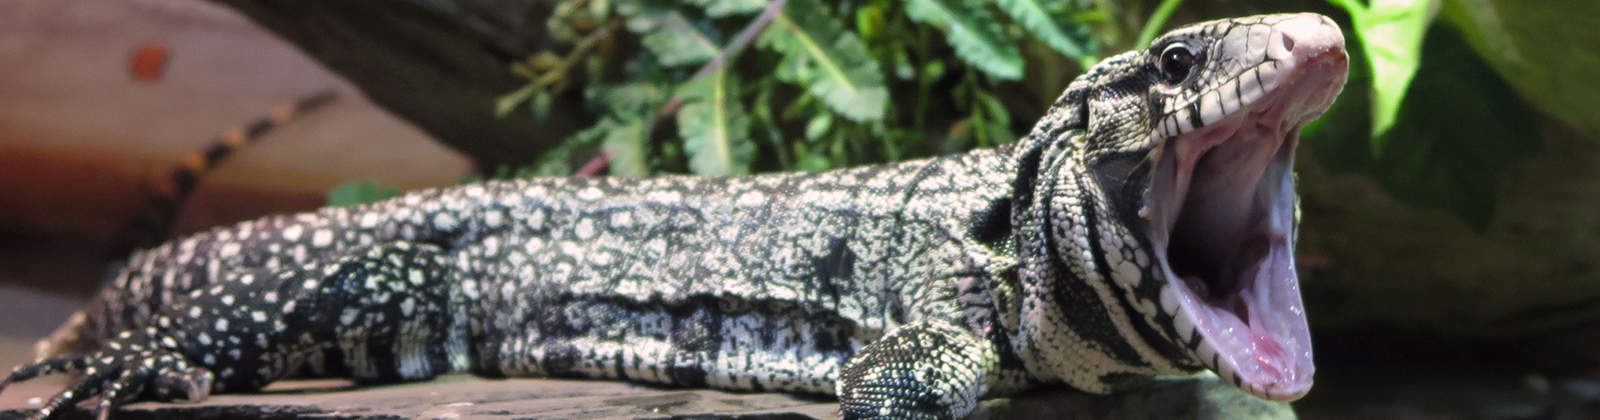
{"type": "Point", "coordinates": [464, 396]}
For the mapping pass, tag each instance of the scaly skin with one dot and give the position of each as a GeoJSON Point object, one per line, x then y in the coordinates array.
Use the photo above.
{"type": "Point", "coordinates": [909, 290]}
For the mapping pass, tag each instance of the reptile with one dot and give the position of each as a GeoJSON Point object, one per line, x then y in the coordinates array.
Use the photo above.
{"type": "Point", "coordinates": [1145, 226]}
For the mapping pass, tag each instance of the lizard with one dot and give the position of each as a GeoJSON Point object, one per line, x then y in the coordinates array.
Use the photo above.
{"type": "Point", "coordinates": [1144, 226]}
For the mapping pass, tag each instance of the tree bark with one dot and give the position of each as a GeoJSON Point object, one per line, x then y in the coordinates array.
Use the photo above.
{"type": "Point", "coordinates": [439, 64]}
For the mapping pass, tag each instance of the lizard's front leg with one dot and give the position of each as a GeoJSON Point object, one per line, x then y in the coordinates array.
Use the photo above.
{"type": "Point", "coordinates": [928, 369]}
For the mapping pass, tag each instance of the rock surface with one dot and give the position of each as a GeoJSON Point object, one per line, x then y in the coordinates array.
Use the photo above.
{"type": "Point", "coordinates": [463, 396]}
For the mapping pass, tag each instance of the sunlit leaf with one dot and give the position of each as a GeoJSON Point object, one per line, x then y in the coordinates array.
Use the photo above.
{"type": "Point", "coordinates": [1391, 36]}
{"type": "Point", "coordinates": [725, 8]}
{"type": "Point", "coordinates": [973, 32]}
{"type": "Point", "coordinates": [818, 126]}
{"type": "Point", "coordinates": [360, 192]}
{"type": "Point", "coordinates": [838, 67]}
{"type": "Point", "coordinates": [669, 34]}
{"type": "Point", "coordinates": [1447, 155]}
{"type": "Point", "coordinates": [714, 127]}
{"type": "Point", "coordinates": [1032, 15]}
{"type": "Point", "coordinates": [1541, 48]}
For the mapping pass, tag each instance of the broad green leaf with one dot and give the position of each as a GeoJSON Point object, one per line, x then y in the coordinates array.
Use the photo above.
{"type": "Point", "coordinates": [360, 192]}
{"type": "Point", "coordinates": [626, 143]}
{"type": "Point", "coordinates": [1032, 15]}
{"type": "Point", "coordinates": [1157, 22]}
{"type": "Point", "coordinates": [1546, 49]}
{"type": "Point", "coordinates": [973, 32]}
{"type": "Point", "coordinates": [1447, 150]}
{"type": "Point", "coordinates": [725, 8]}
{"type": "Point", "coordinates": [667, 33]}
{"type": "Point", "coordinates": [1391, 36]}
{"type": "Point", "coordinates": [714, 127]}
{"type": "Point", "coordinates": [836, 65]}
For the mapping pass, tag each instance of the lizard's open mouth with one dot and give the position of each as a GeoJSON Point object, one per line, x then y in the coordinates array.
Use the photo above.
{"type": "Point", "coordinates": [1221, 212]}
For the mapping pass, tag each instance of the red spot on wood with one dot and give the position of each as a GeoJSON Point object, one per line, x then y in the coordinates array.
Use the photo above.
{"type": "Point", "coordinates": [149, 62]}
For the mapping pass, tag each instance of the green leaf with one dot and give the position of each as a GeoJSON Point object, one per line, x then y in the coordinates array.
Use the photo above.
{"type": "Point", "coordinates": [818, 126]}
{"type": "Point", "coordinates": [836, 64]}
{"type": "Point", "coordinates": [1542, 48]}
{"type": "Point", "coordinates": [629, 101]}
{"type": "Point", "coordinates": [714, 127]}
{"type": "Point", "coordinates": [973, 32]}
{"type": "Point", "coordinates": [671, 36]}
{"type": "Point", "coordinates": [999, 120]}
{"type": "Point", "coordinates": [626, 142]}
{"type": "Point", "coordinates": [1032, 15]}
{"type": "Point", "coordinates": [725, 8]}
{"type": "Point", "coordinates": [1447, 155]}
{"type": "Point", "coordinates": [1391, 37]}
{"type": "Point", "coordinates": [558, 161]}
{"type": "Point", "coordinates": [360, 192]}
{"type": "Point", "coordinates": [1157, 21]}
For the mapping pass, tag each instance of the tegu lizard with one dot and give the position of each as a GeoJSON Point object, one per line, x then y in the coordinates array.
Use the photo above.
{"type": "Point", "coordinates": [1144, 226]}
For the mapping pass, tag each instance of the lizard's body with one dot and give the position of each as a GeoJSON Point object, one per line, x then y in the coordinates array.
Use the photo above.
{"type": "Point", "coordinates": [909, 289]}
{"type": "Point", "coordinates": [686, 262]}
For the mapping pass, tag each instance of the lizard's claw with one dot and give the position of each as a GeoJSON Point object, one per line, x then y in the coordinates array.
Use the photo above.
{"type": "Point", "coordinates": [136, 362]}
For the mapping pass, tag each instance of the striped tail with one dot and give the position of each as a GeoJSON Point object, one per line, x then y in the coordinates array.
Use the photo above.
{"type": "Point", "coordinates": [153, 221]}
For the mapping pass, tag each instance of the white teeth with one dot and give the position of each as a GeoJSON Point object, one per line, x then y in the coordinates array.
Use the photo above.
{"type": "Point", "coordinates": [1169, 300]}
{"type": "Point", "coordinates": [1225, 371]}
{"type": "Point", "coordinates": [1184, 326]}
{"type": "Point", "coordinates": [1206, 353]}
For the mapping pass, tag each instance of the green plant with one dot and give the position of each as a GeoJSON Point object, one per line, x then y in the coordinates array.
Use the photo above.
{"type": "Point", "coordinates": [754, 85]}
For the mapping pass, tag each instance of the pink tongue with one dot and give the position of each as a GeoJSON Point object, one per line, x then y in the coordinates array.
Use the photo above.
{"type": "Point", "coordinates": [1269, 354]}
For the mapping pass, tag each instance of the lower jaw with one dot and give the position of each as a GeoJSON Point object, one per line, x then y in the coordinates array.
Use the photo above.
{"type": "Point", "coordinates": [1253, 331]}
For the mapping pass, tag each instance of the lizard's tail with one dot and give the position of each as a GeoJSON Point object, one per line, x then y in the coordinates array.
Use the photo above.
{"type": "Point", "coordinates": [153, 221]}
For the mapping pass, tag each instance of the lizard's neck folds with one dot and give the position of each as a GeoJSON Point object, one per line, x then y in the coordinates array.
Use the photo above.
{"type": "Point", "coordinates": [1221, 211]}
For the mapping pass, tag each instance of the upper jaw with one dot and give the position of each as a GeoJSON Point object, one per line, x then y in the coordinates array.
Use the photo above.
{"type": "Point", "coordinates": [1221, 220]}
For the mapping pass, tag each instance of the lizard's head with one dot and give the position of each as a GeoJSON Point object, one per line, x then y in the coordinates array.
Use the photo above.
{"type": "Point", "coordinates": [1219, 205]}
{"type": "Point", "coordinates": [1190, 145]}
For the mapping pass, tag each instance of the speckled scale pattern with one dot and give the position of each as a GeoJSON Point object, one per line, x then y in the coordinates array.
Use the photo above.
{"type": "Point", "coordinates": [910, 290]}
{"type": "Point", "coordinates": [762, 283]}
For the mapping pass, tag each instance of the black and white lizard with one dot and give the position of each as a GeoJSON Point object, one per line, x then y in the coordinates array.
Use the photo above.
{"type": "Point", "coordinates": [1145, 226]}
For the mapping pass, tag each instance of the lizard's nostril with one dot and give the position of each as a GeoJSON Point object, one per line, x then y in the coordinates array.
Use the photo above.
{"type": "Point", "coordinates": [1288, 41]}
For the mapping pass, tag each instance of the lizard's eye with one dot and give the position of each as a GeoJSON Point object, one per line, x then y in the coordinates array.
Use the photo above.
{"type": "Point", "coordinates": [1176, 61]}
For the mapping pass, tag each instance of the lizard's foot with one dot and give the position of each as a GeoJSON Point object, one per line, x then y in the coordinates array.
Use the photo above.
{"type": "Point", "coordinates": [140, 361]}
{"type": "Point", "coordinates": [924, 370]}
